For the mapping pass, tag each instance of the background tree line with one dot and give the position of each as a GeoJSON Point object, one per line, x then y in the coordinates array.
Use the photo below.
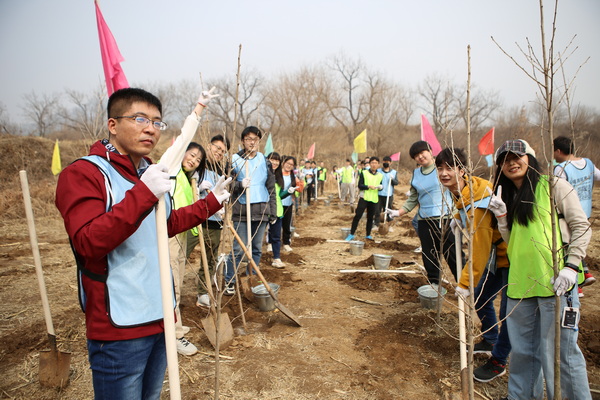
{"type": "Point", "coordinates": [327, 103]}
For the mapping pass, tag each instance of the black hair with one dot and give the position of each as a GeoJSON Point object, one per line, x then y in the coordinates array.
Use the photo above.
{"type": "Point", "coordinates": [387, 158]}
{"type": "Point", "coordinates": [220, 138]}
{"type": "Point", "coordinates": [418, 147]}
{"type": "Point", "coordinates": [519, 202]}
{"type": "Point", "coordinates": [373, 158]}
{"type": "Point", "coordinates": [120, 101]}
{"type": "Point", "coordinates": [454, 157]}
{"type": "Point", "coordinates": [279, 171]}
{"type": "Point", "coordinates": [202, 165]}
{"type": "Point", "coordinates": [274, 156]}
{"type": "Point", "coordinates": [251, 129]}
{"type": "Point", "coordinates": [564, 144]}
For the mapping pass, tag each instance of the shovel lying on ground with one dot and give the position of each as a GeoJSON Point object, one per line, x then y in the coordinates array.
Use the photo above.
{"type": "Point", "coordinates": [280, 306]}
{"type": "Point", "coordinates": [217, 326]}
{"type": "Point", "coordinates": [54, 364]}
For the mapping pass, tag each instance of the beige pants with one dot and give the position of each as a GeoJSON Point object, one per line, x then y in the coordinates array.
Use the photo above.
{"type": "Point", "coordinates": [177, 246]}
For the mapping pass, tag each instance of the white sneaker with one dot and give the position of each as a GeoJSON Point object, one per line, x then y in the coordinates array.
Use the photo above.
{"type": "Point", "coordinates": [229, 289]}
{"type": "Point", "coordinates": [286, 247]}
{"type": "Point", "coordinates": [185, 347]}
{"type": "Point", "coordinates": [186, 329]}
{"type": "Point", "coordinates": [418, 250]}
{"type": "Point", "coordinates": [391, 229]}
{"type": "Point", "coordinates": [269, 248]}
{"type": "Point", "coordinates": [203, 301]}
{"type": "Point", "coordinates": [277, 263]}
{"type": "Point", "coordinates": [296, 235]}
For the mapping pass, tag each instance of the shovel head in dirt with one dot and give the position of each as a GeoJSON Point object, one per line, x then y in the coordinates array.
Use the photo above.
{"type": "Point", "coordinates": [225, 330]}
{"type": "Point", "coordinates": [384, 228]}
{"type": "Point", "coordinates": [54, 366]}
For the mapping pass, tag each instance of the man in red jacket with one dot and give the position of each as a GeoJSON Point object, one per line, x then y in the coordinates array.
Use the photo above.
{"type": "Point", "coordinates": [107, 201]}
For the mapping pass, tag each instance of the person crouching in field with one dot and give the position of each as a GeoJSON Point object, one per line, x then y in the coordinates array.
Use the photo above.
{"type": "Point", "coordinates": [471, 196]}
{"type": "Point", "coordinates": [107, 201]}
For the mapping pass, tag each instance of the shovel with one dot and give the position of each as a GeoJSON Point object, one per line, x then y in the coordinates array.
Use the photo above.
{"type": "Point", "coordinates": [217, 326]}
{"type": "Point", "coordinates": [247, 281]}
{"type": "Point", "coordinates": [280, 306]}
{"type": "Point", "coordinates": [54, 364]}
{"type": "Point", "coordinates": [384, 227]}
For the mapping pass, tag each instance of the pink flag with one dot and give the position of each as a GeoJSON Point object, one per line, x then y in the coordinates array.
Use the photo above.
{"type": "Point", "coordinates": [111, 56]}
{"type": "Point", "coordinates": [395, 157]}
{"type": "Point", "coordinates": [428, 136]}
{"type": "Point", "coordinates": [311, 152]}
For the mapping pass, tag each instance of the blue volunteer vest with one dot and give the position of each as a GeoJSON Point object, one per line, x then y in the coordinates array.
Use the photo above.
{"type": "Point", "coordinates": [287, 182]}
{"type": "Point", "coordinates": [257, 169]}
{"type": "Point", "coordinates": [387, 190]}
{"type": "Point", "coordinates": [212, 177]}
{"type": "Point", "coordinates": [583, 182]}
{"type": "Point", "coordinates": [432, 202]}
{"type": "Point", "coordinates": [463, 212]}
{"type": "Point", "coordinates": [133, 278]}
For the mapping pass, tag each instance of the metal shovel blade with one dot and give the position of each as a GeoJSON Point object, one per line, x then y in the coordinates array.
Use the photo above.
{"type": "Point", "coordinates": [54, 368]}
{"type": "Point", "coordinates": [224, 333]}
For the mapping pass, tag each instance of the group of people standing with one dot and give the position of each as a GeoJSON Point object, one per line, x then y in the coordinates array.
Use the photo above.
{"type": "Point", "coordinates": [511, 225]}
{"type": "Point", "coordinates": [107, 200]}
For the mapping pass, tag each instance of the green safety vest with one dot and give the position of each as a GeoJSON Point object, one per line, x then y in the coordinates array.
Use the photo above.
{"type": "Point", "coordinates": [182, 195]}
{"type": "Point", "coordinates": [372, 195]}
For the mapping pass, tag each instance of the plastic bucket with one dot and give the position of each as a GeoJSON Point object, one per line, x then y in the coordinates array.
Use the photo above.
{"type": "Point", "coordinates": [356, 247]}
{"type": "Point", "coordinates": [263, 299]}
{"type": "Point", "coordinates": [327, 202]}
{"type": "Point", "coordinates": [428, 296]}
{"type": "Point", "coordinates": [382, 261]}
{"type": "Point", "coordinates": [345, 232]}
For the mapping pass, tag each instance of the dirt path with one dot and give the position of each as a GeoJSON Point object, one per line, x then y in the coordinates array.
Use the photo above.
{"type": "Point", "coordinates": [346, 349]}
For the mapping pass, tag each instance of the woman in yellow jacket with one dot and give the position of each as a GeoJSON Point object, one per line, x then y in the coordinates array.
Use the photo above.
{"type": "Point", "coordinates": [471, 196]}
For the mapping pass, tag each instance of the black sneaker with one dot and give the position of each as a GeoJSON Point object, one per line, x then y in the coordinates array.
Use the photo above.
{"type": "Point", "coordinates": [490, 370]}
{"type": "Point", "coordinates": [483, 347]}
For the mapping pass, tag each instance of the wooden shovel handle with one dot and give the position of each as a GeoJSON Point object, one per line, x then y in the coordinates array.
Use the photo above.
{"type": "Point", "coordinates": [36, 254]}
{"type": "Point", "coordinates": [249, 256]}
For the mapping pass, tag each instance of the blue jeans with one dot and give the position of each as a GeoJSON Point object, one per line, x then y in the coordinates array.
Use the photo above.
{"type": "Point", "coordinates": [257, 230]}
{"type": "Point", "coordinates": [485, 293]}
{"type": "Point", "coordinates": [128, 369]}
{"type": "Point", "coordinates": [275, 237]}
{"type": "Point", "coordinates": [531, 331]}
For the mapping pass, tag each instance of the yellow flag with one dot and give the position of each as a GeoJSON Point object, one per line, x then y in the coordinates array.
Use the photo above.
{"type": "Point", "coordinates": [360, 142]}
{"type": "Point", "coordinates": [56, 165]}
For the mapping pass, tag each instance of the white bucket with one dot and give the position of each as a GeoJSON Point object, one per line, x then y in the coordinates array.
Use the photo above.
{"type": "Point", "coordinates": [356, 247]}
{"type": "Point", "coordinates": [345, 232]}
{"type": "Point", "coordinates": [428, 296]}
{"type": "Point", "coordinates": [263, 299]}
{"type": "Point", "coordinates": [382, 261]}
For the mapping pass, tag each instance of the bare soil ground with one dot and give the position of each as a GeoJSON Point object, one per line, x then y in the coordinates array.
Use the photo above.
{"type": "Point", "coordinates": [346, 349]}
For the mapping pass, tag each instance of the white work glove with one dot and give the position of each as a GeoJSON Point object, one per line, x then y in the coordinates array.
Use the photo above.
{"type": "Point", "coordinates": [496, 205]}
{"type": "Point", "coordinates": [392, 213]}
{"type": "Point", "coordinates": [563, 282]}
{"type": "Point", "coordinates": [246, 183]}
{"type": "Point", "coordinates": [206, 96]}
{"type": "Point", "coordinates": [272, 220]}
{"type": "Point", "coordinates": [157, 179]}
{"type": "Point", "coordinates": [291, 190]}
{"type": "Point", "coordinates": [221, 213]}
{"type": "Point", "coordinates": [464, 293]}
{"type": "Point", "coordinates": [220, 191]}
{"type": "Point", "coordinates": [204, 185]}
{"type": "Point", "coordinates": [380, 187]}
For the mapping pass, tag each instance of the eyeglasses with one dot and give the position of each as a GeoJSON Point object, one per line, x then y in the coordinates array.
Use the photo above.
{"type": "Point", "coordinates": [218, 149]}
{"type": "Point", "coordinates": [251, 139]}
{"type": "Point", "coordinates": [143, 121]}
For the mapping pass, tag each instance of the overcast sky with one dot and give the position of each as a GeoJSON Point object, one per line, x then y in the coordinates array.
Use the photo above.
{"type": "Point", "coordinates": [50, 46]}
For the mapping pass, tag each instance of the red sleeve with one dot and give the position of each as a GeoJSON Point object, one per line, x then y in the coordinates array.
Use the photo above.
{"type": "Point", "coordinates": [81, 200]}
{"type": "Point", "coordinates": [185, 218]}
